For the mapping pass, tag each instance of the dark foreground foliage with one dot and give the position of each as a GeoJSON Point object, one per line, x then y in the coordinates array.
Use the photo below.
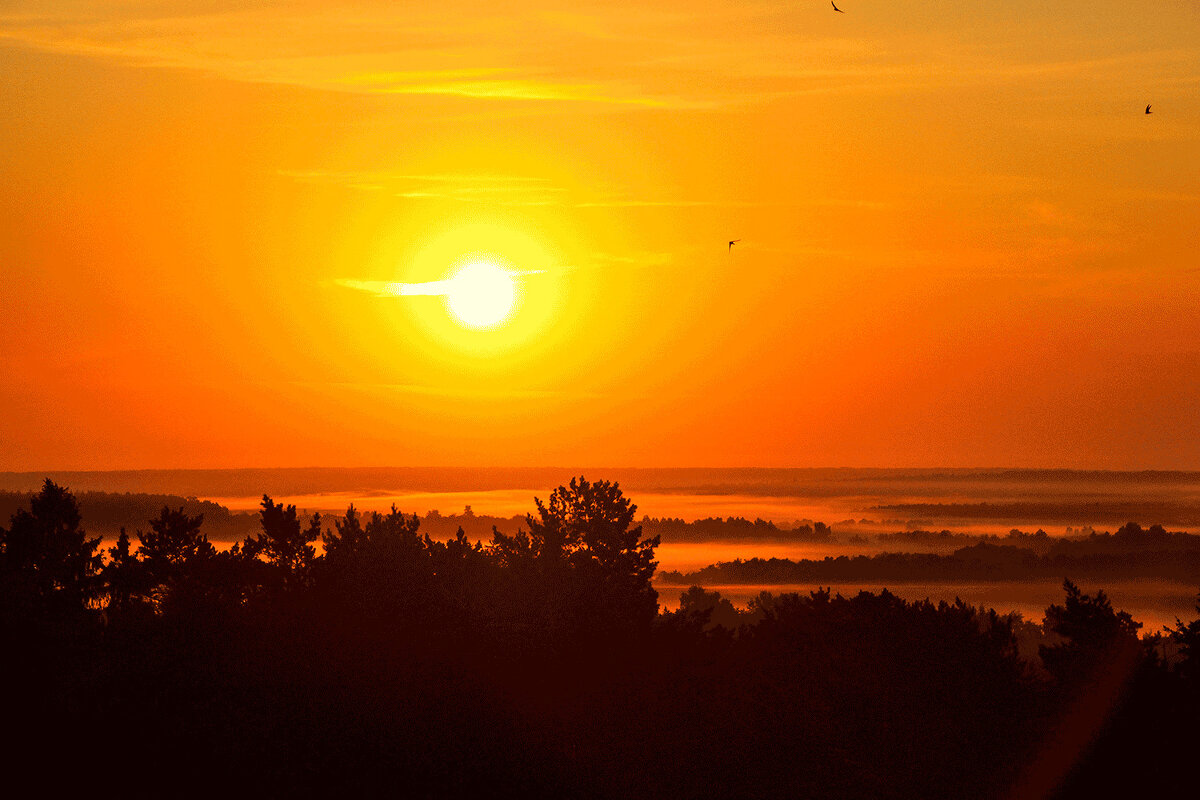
{"type": "Point", "coordinates": [540, 666]}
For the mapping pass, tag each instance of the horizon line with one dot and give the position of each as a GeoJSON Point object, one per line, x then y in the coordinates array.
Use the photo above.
{"type": "Point", "coordinates": [763, 468]}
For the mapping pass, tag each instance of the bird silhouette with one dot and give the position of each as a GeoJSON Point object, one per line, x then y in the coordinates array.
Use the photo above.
{"type": "Point", "coordinates": [835, 8]}
{"type": "Point", "coordinates": [1148, 109]}
{"type": "Point", "coordinates": [732, 242]}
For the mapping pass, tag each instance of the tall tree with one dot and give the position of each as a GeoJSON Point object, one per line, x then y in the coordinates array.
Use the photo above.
{"type": "Point", "coordinates": [176, 559]}
{"type": "Point", "coordinates": [284, 543]}
{"type": "Point", "coordinates": [47, 561]}
{"type": "Point", "coordinates": [174, 539]}
{"type": "Point", "coordinates": [126, 577]}
{"type": "Point", "coordinates": [590, 524]}
{"type": "Point", "coordinates": [583, 543]}
{"type": "Point", "coordinates": [1095, 636]}
{"type": "Point", "coordinates": [1187, 636]}
{"type": "Point", "coordinates": [346, 539]}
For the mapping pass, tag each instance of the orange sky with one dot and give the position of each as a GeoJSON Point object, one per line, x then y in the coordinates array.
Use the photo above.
{"type": "Point", "coordinates": [963, 242]}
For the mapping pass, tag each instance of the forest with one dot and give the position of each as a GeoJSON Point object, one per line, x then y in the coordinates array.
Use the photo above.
{"type": "Point", "coordinates": [359, 654]}
{"type": "Point", "coordinates": [1130, 552]}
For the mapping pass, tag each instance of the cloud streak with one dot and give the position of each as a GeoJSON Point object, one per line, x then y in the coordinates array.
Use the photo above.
{"type": "Point", "coordinates": [472, 393]}
{"type": "Point", "coordinates": [442, 288]}
{"type": "Point", "coordinates": [703, 55]}
{"type": "Point", "coordinates": [395, 289]}
{"type": "Point", "coordinates": [510, 190]}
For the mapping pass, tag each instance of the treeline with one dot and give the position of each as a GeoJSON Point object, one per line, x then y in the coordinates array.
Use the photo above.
{"type": "Point", "coordinates": [540, 665]}
{"type": "Point", "coordinates": [474, 526]}
{"type": "Point", "coordinates": [736, 529]}
{"type": "Point", "coordinates": [1129, 538]}
{"type": "Point", "coordinates": [1173, 512]}
{"type": "Point", "coordinates": [668, 529]}
{"type": "Point", "coordinates": [1039, 541]}
{"type": "Point", "coordinates": [106, 513]}
{"type": "Point", "coordinates": [1130, 553]}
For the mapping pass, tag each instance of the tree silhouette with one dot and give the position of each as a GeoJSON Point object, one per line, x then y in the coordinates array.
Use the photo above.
{"type": "Point", "coordinates": [588, 525]}
{"type": "Point", "coordinates": [174, 539]}
{"type": "Point", "coordinates": [47, 562]}
{"type": "Point", "coordinates": [1187, 636]}
{"type": "Point", "coordinates": [283, 543]}
{"type": "Point", "coordinates": [443, 666]}
{"type": "Point", "coordinates": [184, 573]}
{"type": "Point", "coordinates": [708, 609]}
{"type": "Point", "coordinates": [126, 577]}
{"type": "Point", "coordinates": [583, 544]}
{"type": "Point", "coordinates": [1094, 635]}
{"type": "Point", "coordinates": [347, 538]}
{"type": "Point", "coordinates": [381, 569]}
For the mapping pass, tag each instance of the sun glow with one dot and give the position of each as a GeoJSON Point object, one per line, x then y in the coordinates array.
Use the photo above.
{"type": "Point", "coordinates": [481, 295]}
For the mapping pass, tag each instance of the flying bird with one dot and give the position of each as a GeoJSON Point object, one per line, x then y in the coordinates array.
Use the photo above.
{"type": "Point", "coordinates": [732, 242]}
{"type": "Point", "coordinates": [835, 8]}
{"type": "Point", "coordinates": [1148, 109]}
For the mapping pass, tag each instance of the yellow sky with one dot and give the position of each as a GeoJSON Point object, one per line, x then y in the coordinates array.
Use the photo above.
{"type": "Point", "coordinates": [962, 240]}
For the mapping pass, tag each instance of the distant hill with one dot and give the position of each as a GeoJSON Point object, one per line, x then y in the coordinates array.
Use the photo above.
{"type": "Point", "coordinates": [1131, 552]}
{"type": "Point", "coordinates": [105, 513]}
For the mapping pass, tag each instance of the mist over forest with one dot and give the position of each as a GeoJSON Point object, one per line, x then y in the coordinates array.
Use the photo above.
{"type": "Point", "coordinates": [541, 660]}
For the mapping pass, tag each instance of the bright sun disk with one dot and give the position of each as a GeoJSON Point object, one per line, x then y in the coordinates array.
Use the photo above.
{"type": "Point", "coordinates": [481, 295]}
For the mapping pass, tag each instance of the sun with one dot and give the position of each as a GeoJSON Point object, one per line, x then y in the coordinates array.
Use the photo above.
{"type": "Point", "coordinates": [481, 295]}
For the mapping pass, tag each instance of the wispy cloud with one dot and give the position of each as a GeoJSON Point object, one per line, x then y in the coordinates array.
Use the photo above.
{"type": "Point", "coordinates": [636, 203]}
{"type": "Point", "coordinates": [376, 49]}
{"type": "Point", "coordinates": [702, 54]}
{"type": "Point", "coordinates": [394, 289]}
{"type": "Point", "coordinates": [523, 190]}
{"type": "Point", "coordinates": [440, 288]}
{"type": "Point", "coordinates": [637, 259]}
{"type": "Point", "coordinates": [815, 201]}
{"type": "Point", "coordinates": [451, 392]}
{"type": "Point", "coordinates": [512, 190]}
